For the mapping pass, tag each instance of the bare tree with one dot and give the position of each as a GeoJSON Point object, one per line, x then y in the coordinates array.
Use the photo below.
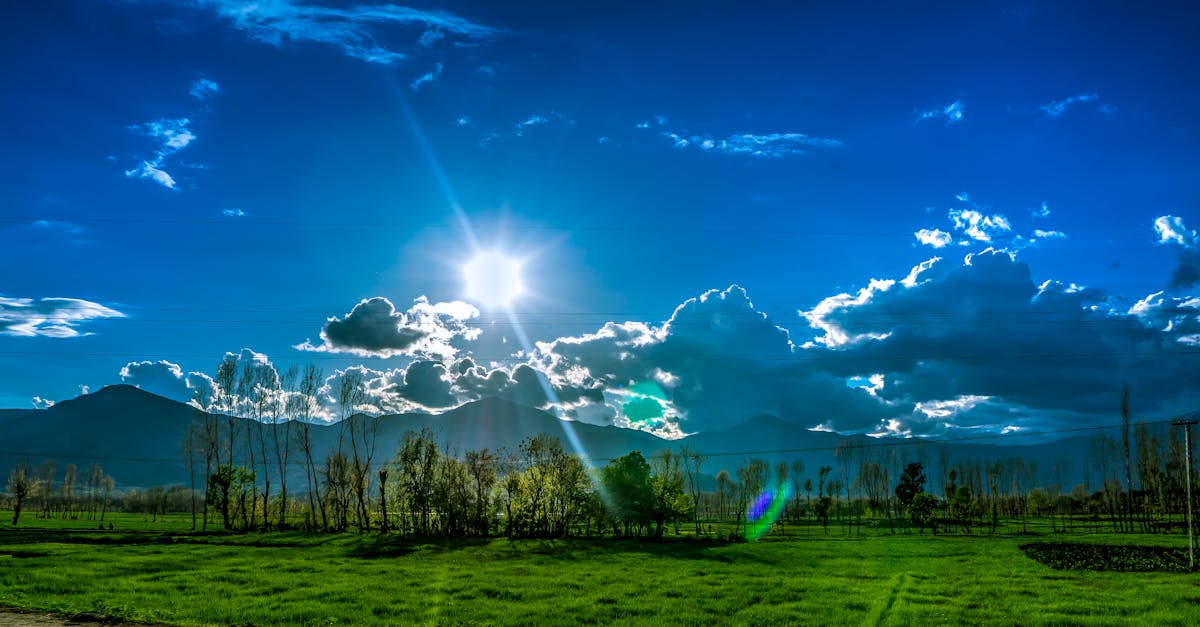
{"type": "Point", "coordinates": [281, 413]}
{"type": "Point", "coordinates": [1128, 461]}
{"type": "Point", "coordinates": [22, 484]}
{"type": "Point", "coordinates": [305, 403]}
{"type": "Point", "coordinates": [692, 461]}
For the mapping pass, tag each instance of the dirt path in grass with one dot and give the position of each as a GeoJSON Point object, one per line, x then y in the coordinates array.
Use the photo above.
{"type": "Point", "coordinates": [15, 619]}
{"type": "Point", "coordinates": [9, 618]}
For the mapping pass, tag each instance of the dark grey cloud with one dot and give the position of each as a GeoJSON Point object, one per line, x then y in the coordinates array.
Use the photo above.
{"type": "Point", "coordinates": [374, 328]}
{"type": "Point", "coordinates": [983, 330]}
{"type": "Point", "coordinates": [1172, 231]}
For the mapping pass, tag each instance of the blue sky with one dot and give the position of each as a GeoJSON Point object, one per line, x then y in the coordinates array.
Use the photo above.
{"type": "Point", "coordinates": [719, 209]}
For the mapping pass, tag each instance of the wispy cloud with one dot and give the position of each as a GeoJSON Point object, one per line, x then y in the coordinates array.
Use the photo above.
{"type": "Point", "coordinates": [520, 129]}
{"type": "Point", "coordinates": [427, 77]}
{"type": "Point", "coordinates": [362, 32]}
{"type": "Point", "coordinates": [49, 317]}
{"type": "Point", "coordinates": [1041, 212]}
{"type": "Point", "coordinates": [1058, 107]}
{"type": "Point", "coordinates": [750, 144]}
{"type": "Point", "coordinates": [173, 136]}
{"type": "Point", "coordinates": [430, 37]}
{"type": "Point", "coordinates": [203, 88]}
{"type": "Point", "coordinates": [952, 112]}
{"type": "Point", "coordinates": [233, 213]}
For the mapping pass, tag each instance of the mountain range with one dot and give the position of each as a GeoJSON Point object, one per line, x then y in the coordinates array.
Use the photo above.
{"type": "Point", "coordinates": [138, 438]}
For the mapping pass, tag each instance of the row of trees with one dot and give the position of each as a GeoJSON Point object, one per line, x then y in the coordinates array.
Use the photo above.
{"type": "Point", "coordinates": [75, 496]}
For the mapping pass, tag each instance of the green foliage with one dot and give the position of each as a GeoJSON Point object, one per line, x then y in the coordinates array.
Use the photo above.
{"type": "Point", "coordinates": [1076, 556]}
{"type": "Point", "coordinates": [923, 511]}
{"type": "Point", "coordinates": [628, 491]}
{"type": "Point", "coordinates": [912, 483]}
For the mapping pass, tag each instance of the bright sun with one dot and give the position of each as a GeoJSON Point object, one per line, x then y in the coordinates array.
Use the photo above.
{"type": "Point", "coordinates": [493, 279]}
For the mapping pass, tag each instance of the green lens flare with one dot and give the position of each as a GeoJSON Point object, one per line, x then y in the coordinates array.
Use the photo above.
{"type": "Point", "coordinates": [765, 510]}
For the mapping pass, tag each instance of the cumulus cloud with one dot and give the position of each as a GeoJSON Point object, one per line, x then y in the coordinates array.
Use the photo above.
{"type": "Point", "coordinates": [936, 238]}
{"type": "Point", "coordinates": [374, 328]}
{"type": "Point", "coordinates": [173, 136]}
{"type": "Point", "coordinates": [975, 225]}
{"type": "Point", "coordinates": [983, 330]}
{"type": "Point", "coordinates": [49, 317]}
{"type": "Point", "coordinates": [715, 362]}
{"type": "Point", "coordinates": [42, 403]}
{"type": "Point", "coordinates": [978, 226]}
{"type": "Point", "coordinates": [166, 379]}
{"type": "Point", "coordinates": [1171, 230]}
{"type": "Point", "coordinates": [363, 32]}
{"type": "Point", "coordinates": [953, 113]}
{"type": "Point", "coordinates": [202, 88]}
{"type": "Point", "coordinates": [1056, 108]}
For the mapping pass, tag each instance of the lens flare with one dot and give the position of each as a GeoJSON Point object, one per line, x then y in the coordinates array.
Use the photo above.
{"type": "Point", "coordinates": [765, 510]}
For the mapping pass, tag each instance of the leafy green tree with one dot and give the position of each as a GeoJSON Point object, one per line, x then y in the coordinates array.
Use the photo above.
{"type": "Point", "coordinates": [627, 484]}
{"type": "Point", "coordinates": [669, 503]}
{"type": "Point", "coordinates": [912, 483]}
{"type": "Point", "coordinates": [922, 510]}
{"type": "Point", "coordinates": [226, 487]}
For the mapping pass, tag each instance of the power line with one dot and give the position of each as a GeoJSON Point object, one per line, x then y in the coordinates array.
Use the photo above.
{"type": "Point", "coordinates": [825, 357]}
{"type": "Point", "coordinates": [596, 228]}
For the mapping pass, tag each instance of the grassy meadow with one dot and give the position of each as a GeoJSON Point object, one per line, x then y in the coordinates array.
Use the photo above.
{"type": "Point", "coordinates": [161, 573]}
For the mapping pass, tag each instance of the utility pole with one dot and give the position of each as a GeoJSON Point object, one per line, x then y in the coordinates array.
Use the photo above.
{"type": "Point", "coordinates": [1187, 448]}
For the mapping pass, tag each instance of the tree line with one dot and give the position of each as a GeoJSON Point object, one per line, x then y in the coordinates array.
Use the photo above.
{"type": "Point", "coordinates": [240, 480]}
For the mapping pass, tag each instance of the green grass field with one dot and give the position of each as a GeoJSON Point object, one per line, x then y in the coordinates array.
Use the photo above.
{"type": "Point", "coordinates": [158, 572]}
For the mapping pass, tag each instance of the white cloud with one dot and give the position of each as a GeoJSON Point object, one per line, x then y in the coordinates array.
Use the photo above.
{"type": "Point", "coordinates": [361, 32]}
{"type": "Point", "coordinates": [233, 213]}
{"type": "Point", "coordinates": [525, 126]}
{"type": "Point", "coordinates": [953, 113]}
{"type": "Point", "coordinates": [42, 403]}
{"type": "Point", "coordinates": [49, 317]}
{"type": "Point", "coordinates": [427, 77]}
{"type": "Point", "coordinates": [173, 136]}
{"type": "Point", "coordinates": [1058, 107]}
{"type": "Point", "coordinates": [203, 88]}
{"type": "Point", "coordinates": [1040, 234]}
{"type": "Point", "coordinates": [750, 144]}
{"type": "Point", "coordinates": [464, 120]}
{"type": "Point", "coordinates": [978, 226]}
{"type": "Point", "coordinates": [430, 37]}
{"type": "Point", "coordinates": [936, 238]}
{"type": "Point", "coordinates": [1170, 230]}
{"type": "Point", "coordinates": [1041, 212]}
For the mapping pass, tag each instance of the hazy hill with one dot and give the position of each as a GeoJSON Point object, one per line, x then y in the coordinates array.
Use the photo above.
{"type": "Point", "coordinates": [137, 437]}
